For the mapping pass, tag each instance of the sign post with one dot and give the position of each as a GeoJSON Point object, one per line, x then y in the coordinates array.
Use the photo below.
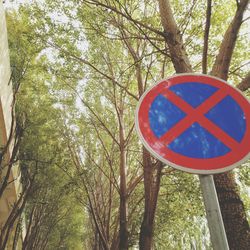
{"type": "Point", "coordinates": [214, 218]}
{"type": "Point", "coordinates": [201, 125]}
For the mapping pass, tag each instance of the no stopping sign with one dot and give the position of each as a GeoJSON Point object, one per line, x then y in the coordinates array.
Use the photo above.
{"type": "Point", "coordinates": [195, 123]}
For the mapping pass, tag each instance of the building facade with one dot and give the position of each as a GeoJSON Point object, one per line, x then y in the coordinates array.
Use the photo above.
{"type": "Point", "coordinates": [10, 194]}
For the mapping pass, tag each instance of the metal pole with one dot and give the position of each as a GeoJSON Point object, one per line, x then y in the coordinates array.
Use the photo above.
{"type": "Point", "coordinates": [214, 218]}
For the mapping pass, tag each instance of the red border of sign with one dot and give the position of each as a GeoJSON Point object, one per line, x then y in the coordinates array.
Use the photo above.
{"type": "Point", "coordinates": [239, 151]}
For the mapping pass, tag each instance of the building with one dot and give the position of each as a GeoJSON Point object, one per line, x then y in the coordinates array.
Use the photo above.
{"type": "Point", "coordinates": [13, 189]}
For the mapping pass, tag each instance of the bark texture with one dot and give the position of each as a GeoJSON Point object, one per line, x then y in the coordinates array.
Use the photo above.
{"type": "Point", "coordinates": [123, 245]}
{"type": "Point", "coordinates": [173, 38]}
{"type": "Point", "coordinates": [245, 84]}
{"type": "Point", "coordinates": [233, 212]}
{"type": "Point", "coordinates": [152, 178]}
{"type": "Point", "coordinates": [206, 36]}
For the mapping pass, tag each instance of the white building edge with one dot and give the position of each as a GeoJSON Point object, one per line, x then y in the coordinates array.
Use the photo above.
{"type": "Point", "coordinates": [6, 98]}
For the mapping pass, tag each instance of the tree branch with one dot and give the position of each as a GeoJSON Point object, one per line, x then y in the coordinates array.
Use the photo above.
{"type": "Point", "coordinates": [173, 38]}
{"type": "Point", "coordinates": [223, 59]}
{"type": "Point", "coordinates": [86, 62]}
{"type": "Point", "coordinates": [245, 84]}
{"type": "Point", "coordinates": [206, 36]}
{"type": "Point", "coordinates": [125, 15]}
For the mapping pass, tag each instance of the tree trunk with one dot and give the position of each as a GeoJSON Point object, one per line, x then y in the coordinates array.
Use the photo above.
{"type": "Point", "coordinates": [123, 245]}
{"type": "Point", "coordinates": [152, 178]}
{"type": "Point", "coordinates": [245, 84]}
{"type": "Point", "coordinates": [173, 38]}
{"type": "Point", "coordinates": [223, 59]}
{"type": "Point", "coordinates": [233, 213]}
{"type": "Point", "coordinates": [146, 231]}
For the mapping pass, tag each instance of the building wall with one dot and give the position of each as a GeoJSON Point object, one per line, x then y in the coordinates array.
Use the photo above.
{"type": "Point", "coordinates": [6, 99]}
{"type": "Point", "coordinates": [14, 187]}
{"type": "Point", "coordinates": [5, 85]}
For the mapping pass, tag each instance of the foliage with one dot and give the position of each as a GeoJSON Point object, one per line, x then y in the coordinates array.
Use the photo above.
{"type": "Point", "coordinates": [81, 65]}
{"type": "Point", "coordinates": [58, 224]}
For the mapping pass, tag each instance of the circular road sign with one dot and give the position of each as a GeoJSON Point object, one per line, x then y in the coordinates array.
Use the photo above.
{"type": "Point", "coordinates": [195, 123]}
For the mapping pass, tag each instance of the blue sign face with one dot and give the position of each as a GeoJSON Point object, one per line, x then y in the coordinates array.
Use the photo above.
{"type": "Point", "coordinates": [195, 122]}
{"type": "Point", "coordinates": [196, 141]}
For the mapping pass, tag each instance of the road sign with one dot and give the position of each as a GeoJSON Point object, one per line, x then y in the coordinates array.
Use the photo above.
{"type": "Point", "coordinates": [195, 123]}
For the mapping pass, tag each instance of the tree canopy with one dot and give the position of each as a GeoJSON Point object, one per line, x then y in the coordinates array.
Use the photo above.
{"type": "Point", "coordinates": [82, 66]}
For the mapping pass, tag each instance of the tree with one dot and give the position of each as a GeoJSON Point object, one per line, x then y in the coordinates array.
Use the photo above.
{"type": "Point", "coordinates": [45, 204]}
{"type": "Point", "coordinates": [181, 63]}
{"type": "Point", "coordinates": [127, 44]}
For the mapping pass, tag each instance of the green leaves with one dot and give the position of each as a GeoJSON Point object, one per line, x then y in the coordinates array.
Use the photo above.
{"type": "Point", "coordinates": [82, 66]}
